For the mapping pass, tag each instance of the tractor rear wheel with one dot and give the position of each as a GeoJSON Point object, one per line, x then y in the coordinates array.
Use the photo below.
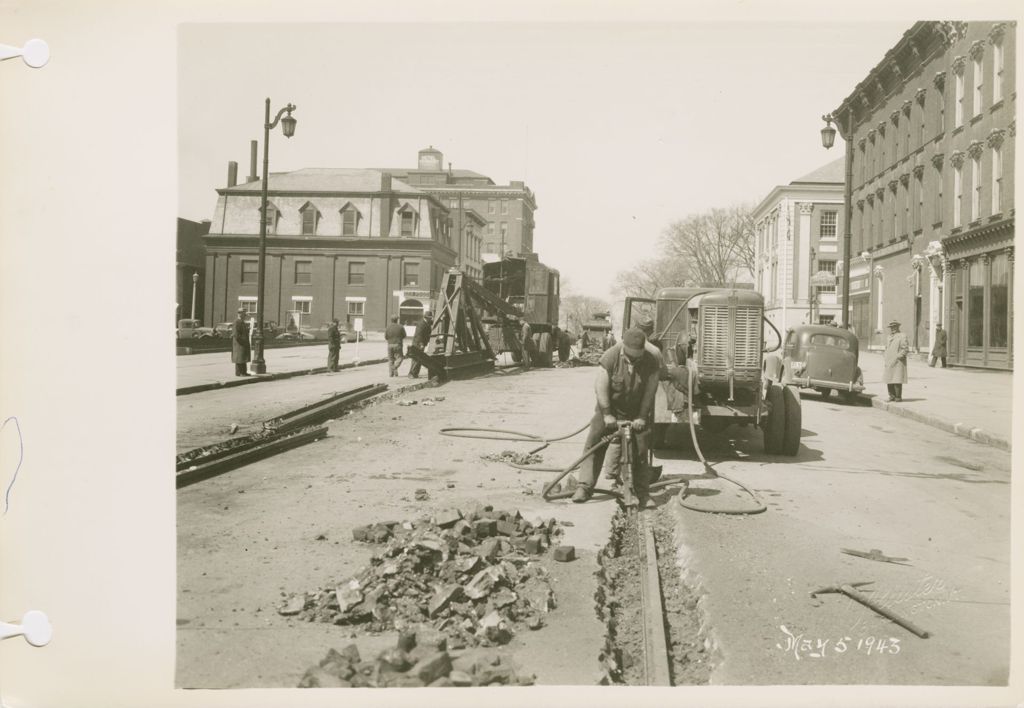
{"type": "Point", "coordinates": [544, 349]}
{"type": "Point", "coordinates": [794, 419]}
{"type": "Point", "coordinates": [775, 426]}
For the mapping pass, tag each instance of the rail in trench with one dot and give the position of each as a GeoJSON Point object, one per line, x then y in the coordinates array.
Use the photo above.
{"type": "Point", "coordinates": [656, 648]}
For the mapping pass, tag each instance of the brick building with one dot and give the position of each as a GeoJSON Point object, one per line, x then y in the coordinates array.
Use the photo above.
{"type": "Point", "coordinates": [797, 235]}
{"type": "Point", "coordinates": [346, 243]}
{"type": "Point", "coordinates": [933, 218]}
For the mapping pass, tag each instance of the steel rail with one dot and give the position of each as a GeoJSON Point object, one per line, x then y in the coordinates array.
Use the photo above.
{"type": "Point", "coordinates": [656, 666]}
{"type": "Point", "coordinates": [205, 470]}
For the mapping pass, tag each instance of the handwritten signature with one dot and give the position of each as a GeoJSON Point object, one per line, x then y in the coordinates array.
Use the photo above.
{"type": "Point", "coordinates": [819, 648]}
{"type": "Point", "coordinates": [21, 456]}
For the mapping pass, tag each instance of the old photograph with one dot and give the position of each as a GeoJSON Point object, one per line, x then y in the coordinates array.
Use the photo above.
{"type": "Point", "coordinates": [524, 354]}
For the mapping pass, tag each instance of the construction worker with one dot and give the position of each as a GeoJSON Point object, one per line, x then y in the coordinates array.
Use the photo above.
{"type": "Point", "coordinates": [526, 333]}
{"type": "Point", "coordinates": [626, 384]}
{"type": "Point", "coordinates": [240, 351]}
{"type": "Point", "coordinates": [419, 340]}
{"type": "Point", "coordinates": [394, 335]}
{"type": "Point", "coordinates": [333, 345]}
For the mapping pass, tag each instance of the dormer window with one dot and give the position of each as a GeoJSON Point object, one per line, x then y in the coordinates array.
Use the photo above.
{"type": "Point", "coordinates": [407, 216]}
{"type": "Point", "coordinates": [310, 219]}
{"type": "Point", "coordinates": [349, 220]}
{"type": "Point", "coordinates": [272, 214]}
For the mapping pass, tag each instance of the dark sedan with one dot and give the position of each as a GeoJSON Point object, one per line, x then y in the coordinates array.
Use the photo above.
{"type": "Point", "coordinates": [821, 357]}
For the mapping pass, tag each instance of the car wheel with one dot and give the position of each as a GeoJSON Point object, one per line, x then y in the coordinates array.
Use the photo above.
{"type": "Point", "coordinates": [794, 420]}
{"type": "Point", "coordinates": [825, 391]}
{"type": "Point", "coordinates": [775, 426]}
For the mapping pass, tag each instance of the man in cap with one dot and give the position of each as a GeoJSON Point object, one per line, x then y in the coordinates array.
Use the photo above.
{"type": "Point", "coordinates": [939, 348]}
{"type": "Point", "coordinates": [333, 345]}
{"type": "Point", "coordinates": [394, 335]}
{"type": "Point", "coordinates": [896, 350]}
{"type": "Point", "coordinates": [419, 340]}
{"type": "Point", "coordinates": [626, 383]}
{"type": "Point", "coordinates": [240, 352]}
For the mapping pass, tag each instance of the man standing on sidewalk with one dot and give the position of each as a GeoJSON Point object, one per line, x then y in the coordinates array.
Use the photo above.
{"type": "Point", "coordinates": [240, 351]}
{"type": "Point", "coordinates": [394, 335]}
{"type": "Point", "coordinates": [420, 340]}
{"type": "Point", "coordinates": [896, 350]}
{"type": "Point", "coordinates": [939, 349]}
{"type": "Point", "coordinates": [333, 345]}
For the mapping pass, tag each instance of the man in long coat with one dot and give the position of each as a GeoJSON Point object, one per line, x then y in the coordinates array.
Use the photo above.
{"type": "Point", "coordinates": [420, 339]}
{"type": "Point", "coordinates": [240, 352]}
{"type": "Point", "coordinates": [333, 346]}
{"type": "Point", "coordinates": [939, 348]}
{"type": "Point", "coordinates": [896, 350]}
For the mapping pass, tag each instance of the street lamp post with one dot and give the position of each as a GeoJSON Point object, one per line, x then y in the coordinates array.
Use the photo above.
{"type": "Point", "coordinates": [828, 136]}
{"type": "Point", "coordinates": [195, 281]}
{"type": "Point", "coordinates": [259, 366]}
{"type": "Point", "coordinates": [810, 290]}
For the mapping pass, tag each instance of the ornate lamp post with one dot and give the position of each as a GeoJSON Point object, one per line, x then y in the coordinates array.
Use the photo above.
{"type": "Point", "coordinates": [195, 281]}
{"type": "Point", "coordinates": [828, 138]}
{"type": "Point", "coordinates": [259, 366]}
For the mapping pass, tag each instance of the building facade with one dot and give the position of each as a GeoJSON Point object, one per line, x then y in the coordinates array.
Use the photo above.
{"type": "Point", "coordinates": [798, 247]}
{"type": "Point", "coordinates": [355, 244]}
{"type": "Point", "coordinates": [508, 210]}
{"type": "Point", "coordinates": [190, 262]}
{"type": "Point", "coordinates": [933, 129]}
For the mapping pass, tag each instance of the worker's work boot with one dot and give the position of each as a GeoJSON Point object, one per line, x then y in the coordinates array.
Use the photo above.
{"type": "Point", "coordinates": [581, 494]}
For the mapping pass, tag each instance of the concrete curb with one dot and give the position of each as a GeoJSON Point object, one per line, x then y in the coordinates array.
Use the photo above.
{"type": "Point", "coordinates": [185, 390]}
{"type": "Point", "coordinates": [962, 429]}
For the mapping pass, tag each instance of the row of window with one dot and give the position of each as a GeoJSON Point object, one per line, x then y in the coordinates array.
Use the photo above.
{"type": "Point", "coordinates": [350, 218]}
{"type": "Point", "coordinates": [303, 306]}
{"type": "Point", "coordinates": [356, 273]}
{"type": "Point", "coordinates": [828, 229]}
{"type": "Point", "coordinates": [874, 222]}
{"type": "Point", "coordinates": [996, 270]}
{"type": "Point", "coordinates": [873, 148]}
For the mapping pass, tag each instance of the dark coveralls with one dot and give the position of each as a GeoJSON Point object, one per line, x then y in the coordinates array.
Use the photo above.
{"type": "Point", "coordinates": [627, 385]}
{"type": "Point", "coordinates": [240, 351]}
{"type": "Point", "coordinates": [394, 335]}
{"type": "Point", "coordinates": [527, 335]}
{"type": "Point", "coordinates": [333, 347]}
{"type": "Point", "coordinates": [420, 339]}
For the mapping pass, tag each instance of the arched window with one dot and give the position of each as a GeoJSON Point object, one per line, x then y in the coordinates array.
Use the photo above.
{"type": "Point", "coordinates": [410, 312]}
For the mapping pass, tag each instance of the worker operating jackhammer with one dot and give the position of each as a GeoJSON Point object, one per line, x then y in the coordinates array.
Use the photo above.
{"type": "Point", "coordinates": [625, 386]}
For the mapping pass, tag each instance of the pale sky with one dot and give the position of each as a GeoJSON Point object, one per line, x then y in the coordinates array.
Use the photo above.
{"type": "Point", "coordinates": [619, 129]}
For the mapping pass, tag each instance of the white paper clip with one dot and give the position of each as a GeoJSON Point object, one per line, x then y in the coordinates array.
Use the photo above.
{"type": "Point", "coordinates": [35, 627]}
{"type": "Point", "coordinates": [35, 53]}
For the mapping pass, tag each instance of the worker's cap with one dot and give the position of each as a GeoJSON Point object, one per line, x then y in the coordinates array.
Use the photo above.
{"type": "Point", "coordinates": [427, 314]}
{"type": "Point", "coordinates": [633, 340]}
{"type": "Point", "coordinates": [894, 323]}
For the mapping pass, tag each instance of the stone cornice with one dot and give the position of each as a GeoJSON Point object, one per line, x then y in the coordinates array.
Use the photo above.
{"type": "Point", "coordinates": [871, 199]}
{"type": "Point", "coordinates": [920, 95]}
{"type": "Point", "coordinates": [893, 184]}
{"type": "Point", "coordinates": [995, 138]}
{"type": "Point", "coordinates": [951, 31]}
{"type": "Point", "coordinates": [975, 149]}
{"type": "Point", "coordinates": [881, 128]}
{"type": "Point", "coordinates": [959, 62]}
{"type": "Point", "coordinates": [880, 194]}
{"type": "Point", "coordinates": [939, 80]}
{"type": "Point", "coordinates": [977, 50]}
{"type": "Point", "coordinates": [956, 158]}
{"type": "Point", "coordinates": [937, 160]}
{"type": "Point", "coordinates": [895, 117]}
{"type": "Point", "coordinates": [871, 135]}
{"type": "Point", "coordinates": [918, 171]}
{"type": "Point", "coordinates": [905, 179]}
{"type": "Point", "coordinates": [995, 35]}
{"type": "Point", "coordinates": [906, 107]}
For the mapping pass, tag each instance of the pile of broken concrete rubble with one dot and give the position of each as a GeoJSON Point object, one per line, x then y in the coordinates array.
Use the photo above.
{"type": "Point", "coordinates": [420, 659]}
{"type": "Point", "coordinates": [473, 577]}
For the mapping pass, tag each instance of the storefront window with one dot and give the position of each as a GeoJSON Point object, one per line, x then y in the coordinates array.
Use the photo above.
{"type": "Point", "coordinates": [998, 301]}
{"type": "Point", "coordinates": [976, 303]}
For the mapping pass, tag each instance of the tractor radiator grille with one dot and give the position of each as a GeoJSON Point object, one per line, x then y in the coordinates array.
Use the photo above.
{"type": "Point", "coordinates": [719, 351]}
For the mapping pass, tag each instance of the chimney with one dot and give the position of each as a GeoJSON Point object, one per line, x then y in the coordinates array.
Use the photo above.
{"type": "Point", "coordinates": [385, 181]}
{"type": "Point", "coordinates": [517, 184]}
{"type": "Point", "coordinates": [232, 174]}
{"type": "Point", "coordinates": [252, 162]}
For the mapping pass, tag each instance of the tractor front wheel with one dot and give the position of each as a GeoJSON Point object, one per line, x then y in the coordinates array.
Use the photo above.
{"type": "Point", "coordinates": [775, 426]}
{"type": "Point", "coordinates": [794, 419]}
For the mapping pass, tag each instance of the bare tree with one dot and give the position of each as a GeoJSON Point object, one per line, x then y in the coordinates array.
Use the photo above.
{"type": "Point", "coordinates": [647, 277]}
{"type": "Point", "coordinates": [575, 309]}
{"type": "Point", "coordinates": [716, 246]}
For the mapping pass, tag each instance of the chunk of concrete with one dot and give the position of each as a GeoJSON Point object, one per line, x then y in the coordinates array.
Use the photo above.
{"type": "Point", "coordinates": [432, 667]}
{"type": "Point", "coordinates": [565, 553]}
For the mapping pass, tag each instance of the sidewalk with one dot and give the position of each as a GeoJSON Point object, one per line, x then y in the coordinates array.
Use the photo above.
{"type": "Point", "coordinates": [973, 403]}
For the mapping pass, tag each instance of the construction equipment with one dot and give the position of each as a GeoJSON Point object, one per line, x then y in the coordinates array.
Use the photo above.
{"type": "Point", "coordinates": [850, 590]}
{"type": "Point", "coordinates": [532, 288]}
{"type": "Point", "coordinates": [712, 339]}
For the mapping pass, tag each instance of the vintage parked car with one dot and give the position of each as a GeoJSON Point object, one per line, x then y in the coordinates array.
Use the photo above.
{"type": "Point", "coordinates": [821, 357]}
{"type": "Point", "coordinates": [193, 329]}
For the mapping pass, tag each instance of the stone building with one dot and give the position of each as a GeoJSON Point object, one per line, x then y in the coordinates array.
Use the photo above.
{"type": "Point", "coordinates": [356, 244]}
{"type": "Point", "coordinates": [798, 236]}
{"type": "Point", "coordinates": [933, 131]}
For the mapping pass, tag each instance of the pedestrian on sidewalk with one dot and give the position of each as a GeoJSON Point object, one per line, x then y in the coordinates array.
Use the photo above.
{"type": "Point", "coordinates": [939, 348]}
{"type": "Point", "coordinates": [896, 350]}
{"type": "Point", "coordinates": [394, 335]}
{"type": "Point", "coordinates": [419, 341]}
{"type": "Point", "coordinates": [333, 345]}
{"type": "Point", "coordinates": [240, 351]}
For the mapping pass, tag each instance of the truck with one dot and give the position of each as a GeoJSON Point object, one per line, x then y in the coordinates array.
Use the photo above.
{"type": "Point", "coordinates": [713, 345]}
{"type": "Point", "coordinates": [532, 288]}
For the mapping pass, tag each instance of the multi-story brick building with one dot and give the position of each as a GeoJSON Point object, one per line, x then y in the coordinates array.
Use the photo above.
{"type": "Point", "coordinates": [346, 243]}
{"type": "Point", "coordinates": [507, 209]}
{"type": "Point", "coordinates": [933, 131]}
{"type": "Point", "coordinates": [190, 261]}
{"type": "Point", "coordinates": [797, 235]}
